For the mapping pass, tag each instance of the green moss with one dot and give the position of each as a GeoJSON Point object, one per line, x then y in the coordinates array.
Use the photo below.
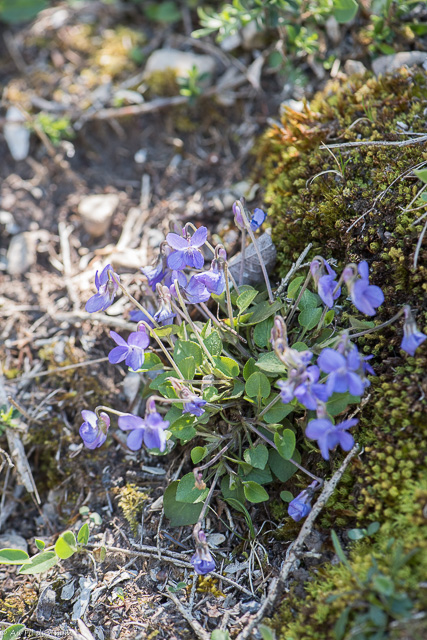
{"type": "Point", "coordinates": [131, 502]}
{"type": "Point", "coordinates": [354, 204]}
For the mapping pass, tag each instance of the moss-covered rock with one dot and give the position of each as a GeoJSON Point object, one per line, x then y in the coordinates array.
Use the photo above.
{"type": "Point", "coordinates": [357, 203]}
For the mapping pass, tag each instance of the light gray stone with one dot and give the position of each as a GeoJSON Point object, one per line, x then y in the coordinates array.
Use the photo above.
{"type": "Point", "coordinates": [253, 37]}
{"type": "Point", "coordinates": [13, 541]}
{"type": "Point", "coordinates": [354, 66]}
{"type": "Point", "coordinates": [333, 30]}
{"type": "Point", "coordinates": [96, 212]}
{"type": "Point", "coordinates": [181, 62]}
{"type": "Point", "coordinates": [16, 134]}
{"type": "Point", "coordinates": [21, 254]}
{"type": "Point", "coordinates": [386, 64]}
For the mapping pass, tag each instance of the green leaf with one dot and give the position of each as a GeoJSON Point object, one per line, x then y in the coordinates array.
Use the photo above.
{"type": "Point", "coordinates": [188, 492]}
{"type": "Point", "coordinates": [277, 412]}
{"type": "Point", "coordinates": [329, 316]}
{"type": "Point", "coordinates": [338, 549]}
{"type": "Point", "coordinates": [286, 496]}
{"type": "Point", "coordinates": [262, 476]}
{"type": "Point", "coordinates": [161, 380]}
{"type": "Point", "coordinates": [344, 10]}
{"type": "Point", "coordinates": [257, 456]}
{"type": "Point", "coordinates": [167, 11]}
{"type": "Point", "coordinates": [262, 332]}
{"type": "Point", "coordinates": [187, 366]}
{"type": "Point", "coordinates": [270, 363]}
{"type": "Point", "coordinates": [264, 310]}
{"type": "Point", "coordinates": [218, 634]}
{"type": "Point", "coordinates": [197, 454]}
{"type": "Point", "coordinates": [421, 174]}
{"type": "Point", "coordinates": [285, 443]}
{"type": "Point", "coordinates": [373, 528]}
{"type": "Point", "coordinates": [257, 385]}
{"type": "Point", "coordinates": [66, 545]}
{"type": "Point", "coordinates": [13, 556]}
{"type": "Point", "coordinates": [339, 402]}
{"type": "Point", "coordinates": [20, 10]}
{"type": "Point", "coordinates": [151, 361]}
{"type": "Point", "coordinates": [170, 329]}
{"type": "Point", "coordinates": [254, 492]}
{"type": "Point", "coordinates": [245, 299]}
{"type": "Point", "coordinates": [226, 367]}
{"type": "Point", "coordinates": [249, 368]}
{"type": "Point", "coordinates": [83, 534]}
{"type": "Point", "coordinates": [179, 513]}
{"type": "Point", "coordinates": [341, 624]}
{"type": "Point", "coordinates": [267, 633]}
{"type": "Point", "coordinates": [383, 584]}
{"type": "Point", "coordinates": [237, 504]}
{"type": "Point", "coordinates": [300, 346]}
{"type": "Point", "coordinates": [309, 317]}
{"type": "Point", "coordinates": [39, 544]}
{"type": "Point", "coordinates": [282, 469]}
{"type": "Point", "coordinates": [187, 349]}
{"type": "Point", "coordinates": [309, 300]}
{"type": "Point", "coordinates": [12, 632]}
{"type": "Point", "coordinates": [236, 492]}
{"type": "Point", "coordinates": [238, 389]}
{"type": "Point", "coordinates": [183, 428]}
{"type": "Point", "coordinates": [40, 563]}
{"type": "Point", "coordinates": [293, 287]}
{"type": "Point", "coordinates": [213, 343]}
{"type": "Point", "coordinates": [361, 325]}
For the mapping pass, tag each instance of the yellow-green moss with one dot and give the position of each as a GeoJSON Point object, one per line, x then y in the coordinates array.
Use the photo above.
{"type": "Point", "coordinates": [373, 183]}
{"type": "Point", "coordinates": [131, 502]}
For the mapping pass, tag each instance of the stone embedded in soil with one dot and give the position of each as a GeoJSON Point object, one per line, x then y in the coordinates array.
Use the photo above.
{"type": "Point", "coordinates": [21, 254]}
{"type": "Point", "coordinates": [96, 212]}
{"type": "Point", "coordinates": [354, 66]}
{"type": "Point", "coordinates": [387, 64]}
{"type": "Point", "coordinates": [181, 62]}
{"type": "Point", "coordinates": [13, 541]}
{"type": "Point", "coordinates": [16, 134]}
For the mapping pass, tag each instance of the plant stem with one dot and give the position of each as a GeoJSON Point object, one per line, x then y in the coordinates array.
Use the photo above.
{"type": "Point", "coordinates": [242, 257]}
{"type": "Point", "coordinates": [209, 496]}
{"type": "Point", "coordinates": [268, 407]}
{"type": "Point", "coordinates": [163, 348]}
{"type": "Point", "coordinates": [137, 304]}
{"type": "Point", "coordinates": [297, 301]}
{"type": "Point", "coordinates": [380, 326]}
{"type": "Point", "coordinates": [228, 297]}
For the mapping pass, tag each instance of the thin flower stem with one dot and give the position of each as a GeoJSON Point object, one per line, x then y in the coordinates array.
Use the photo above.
{"type": "Point", "coordinates": [228, 297]}
{"type": "Point", "coordinates": [209, 496]}
{"type": "Point", "coordinates": [297, 301]}
{"type": "Point", "coordinates": [380, 326]}
{"type": "Point", "coordinates": [103, 408]}
{"type": "Point", "coordinates": [192, 325]}
{"type": "Point", "coordinates": [242, 257]}
{"type": "Point", "coordinates": [258, 252]}
{"type": "Point", "coordinates": [137, 304]}
{"type": "Point", "coordinates": [233, 282]}
{"type": "Point", "coordinates": [214, 459]}
{"type": "Point", "coordinates": [268, 407]}
{"type": "Point", "coordinates": [294, 462]}
{"type": "Point", "coordinates": [322, 318]}
{"type": "Point", "coordinates": [163, 348]}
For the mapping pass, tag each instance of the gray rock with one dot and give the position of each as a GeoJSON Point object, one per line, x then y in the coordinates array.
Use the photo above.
{"type": "Point", "coordinates": [333, 30]}
{"type": "Point", "coordinates": [354, 66]}
{"type": "Point", "coordinates": [181, 62]}
{"type": "Point", "coordinates": [253, 37]}
{"type": "Point", "coordinates": [21, 254]}
{"type": "Point", "coordinates": [96, 212]}
{"type": "Point", "coordinates": [252, 273]}
{"type": "Point", "coordinates": [249, 607]}
{"type": "Point", "coordinates": [386, 64]}
{"type": "Point", "coordinates": [13, 541]}
{"type": "Point", "coordinates": [16, 134]}
{"type": "Point", "coordinates": [45, 604]}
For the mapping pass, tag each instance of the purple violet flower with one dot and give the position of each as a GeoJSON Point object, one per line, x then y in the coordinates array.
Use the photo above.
{"type": "Point", "coordinates": [325, 282]}
{"type": "Point", "coordinates": [194, 292]}
{"type": "Point", "coordinates": [172, 275]}
{"type": "Point", "coordinates": [300, 506]}
{"type": "Point", "coordinates": [412, 337]}
{"type": "Point", "coordinates": [344, 371]}
{"type": "Point", "coordinates": [304, 386]}
{"type": "Point", "coordinates": [194, 405]}
{"type": "Point", "coordinates": [214, 279]}
{"type": "Point", "coordinates": [187, 250]}
{"type": "Point", "coordinates": [238, 218]}
{"type": "Point", "coordinates": [258, 218]}
{"type": "Point", "coordinates": [365, 297]}
{"type": "Point", "coordinates": [107, 285]}
{"type": "Point", "coordinates": [202, 561]}
{"type": "Point", "coordinates": [132, 350]}
{"type": "Point", "coordinates": [150, 430]}
{"type": "Point", "coordinates": [329, 435]}
{"type": "Point", "coordinates": [136, 315]}
{"type": "Point", "coordinates": [94, 430]}
{"type": "Point", "coordinates": [164, 315]}
{"type": "Point", "coordinates": [154, 274]}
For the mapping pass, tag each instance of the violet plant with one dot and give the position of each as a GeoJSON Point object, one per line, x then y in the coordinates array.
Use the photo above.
{"type": "Point", "coordinates": [247, 379]}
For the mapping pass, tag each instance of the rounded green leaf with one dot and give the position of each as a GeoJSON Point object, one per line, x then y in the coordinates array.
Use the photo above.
{"type": "Point", "coordinates": [254, 492]}
{"type": "Point", "coordinates": [282, 469]}
{"type": "Point", "coordinates": [13, 556]}
{"type": "Point", "coordinates": [179, 513]}
{"type": "Point", "coordinates": [188, 349]}
{"type": "Point", "coordinates": [40, 563]}
{"type": "Point", "coordinates": [344, 10]}
{"type": "Point", "coordinates": [226, 367]}
{"type": "Point", "coordinates": [66, 545]}
{"type": "Point", "coordinates": [39, 544]}
{"type": "Point", "coordinates": [12, 632]}
{"type": "Point", "coordinates": [256, 456]}
{"type": "Point", "coordinates": [257, 385]}
{"type": "Point", "coordinates": [286, 496]}
{"type": "Point", "coordinates": [83, 534]}
{"type": "Point", "coordinates": [188, 492]}
{"type": "Point", "coordinates": [285, 443]}
{"type": "Point", "coordinates": [245, 299]}
{"type": "Point", "coordinates": [309, 317]}
{"type": "Point", "coordinates": [213, 343]}
{"type": "Point", "coordinates": [197, 454]}
{"type": "Point", "coordinates": [249, 368]}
